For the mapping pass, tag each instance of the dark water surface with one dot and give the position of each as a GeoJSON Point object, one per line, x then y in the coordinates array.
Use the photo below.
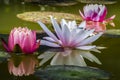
{"type": "Point", "coordinates": [110, 57]}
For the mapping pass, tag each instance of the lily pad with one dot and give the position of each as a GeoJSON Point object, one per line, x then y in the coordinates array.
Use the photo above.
{"type": "Point", "coordinates": [45, 16]}
{"type": "Point", "coordinates": [98, 1]}
{"type": "Point", "coordinates": [69, 3]}
{"type": "Point", "coordinates": [4, 36]}
{"type": "Point", "coordinates": [54, 2]}
{"type": "Point", "coordinates": [112, 33]}
{"type": "Point", "coordinates": [69, 72]}
{"type": "Point", "coordinates": [3, 56]}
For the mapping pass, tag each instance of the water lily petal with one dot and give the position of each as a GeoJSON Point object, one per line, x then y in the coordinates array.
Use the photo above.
{"type": "Point", "coordinates": [82, 36]}
{"type": "Point", "coordinates": [111, 18]}
{"type": "Point", "coordinates": [100, 47]}
{"type": "Point", "coordinates": [62, 23]}
{"type": "Point", "coordinates": [66, 33]}
{"type": "Point", "coordinates": [5, 45]}
{"type": "Point", "coordinates": [102, 13]}
{"type": "Point", "coordinates": [71, 25]}
{"type": "Point", "coordinates": [90, 39]}
{"type": "Point", "coordinates": [77, 59]}
{"type": "Point", "coordinates": [82, 25]}
{"type": "Point", "coordinates": [27, 48]}
{"type": "Point", "coordinates": [33, 35]}
{"type": "Point", "coordinates": [90, 57]}
{"type": "Point", "coordinates": [16, 37]}
{"type": "Point", "coordinates": [49, 39]}
{"type": "Point", "coordinates": [51, 44]}
{"type": "Point", "coordinates": [57, 59]}
{"type": "Point", "coordinates": [86, 47]}
{"type": "Point", "coordinates": [45, 57]}
{"type": "Point", "coordinates": [112, 24]}
{"type": "Point", "coordinates": [11, 40]}
{"type": "Point", "coordinates": [22, 36]}
{"type": "Point", "coordinates": [81, 14]}
{"type": "Point", "coordinates": [57, 28]}
{"type": "Point", "coordinates": [35, 46]}
{"type": "Point", "coordinates": [48, 31]}
{"type": "Point", "coordinates": [95, 50]}
{"type": "Point", "coordinates": [11, 37]}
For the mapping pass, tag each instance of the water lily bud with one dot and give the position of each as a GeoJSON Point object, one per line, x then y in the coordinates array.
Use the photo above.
{"type": "Point", "coordinates": [23, 38]}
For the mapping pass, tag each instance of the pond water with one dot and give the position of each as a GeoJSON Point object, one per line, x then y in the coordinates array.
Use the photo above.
{"type": "Point", "coordinates": [109, 57]}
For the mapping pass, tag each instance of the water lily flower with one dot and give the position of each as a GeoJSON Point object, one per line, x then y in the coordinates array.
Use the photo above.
{"type": "Point", "coordinates": [24, 38]}
{"type": "Point", "coordinates": [25, 67]}
{"type": "Point", "coordinates": [95, 14]}
{"type": "Point", "coordinates": [70, 37]}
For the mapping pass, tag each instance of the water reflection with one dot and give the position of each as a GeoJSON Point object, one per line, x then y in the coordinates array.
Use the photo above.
{"type": "Point", "coordinates": [67, 57]}
{"type": "Point", "coordinates": [22, 65]}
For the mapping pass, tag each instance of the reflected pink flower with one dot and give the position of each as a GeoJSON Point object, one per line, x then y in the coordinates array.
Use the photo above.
{"type": "Point", "coordinates": [98, 26]}
{"type": "Point", "coordinates": [23, 37]}
{"type": "Point", "coordinates": [96, 13]}
{"type": "Point", "coordinates": [26, 66]}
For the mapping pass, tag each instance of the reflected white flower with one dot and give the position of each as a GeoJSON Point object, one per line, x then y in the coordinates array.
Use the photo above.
{"type": "Point", "coordinates": [75, 57]}
{"type": "Point", "coordinates": [75, 40]}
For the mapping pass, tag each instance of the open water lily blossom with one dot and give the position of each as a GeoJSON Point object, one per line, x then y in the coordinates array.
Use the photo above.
{"type": "Point", "coordinates": [74, 39]}
{"type": "Point", "coordinates": [94, 15]}
{"type": "Point", "coordinates": [25, 38]}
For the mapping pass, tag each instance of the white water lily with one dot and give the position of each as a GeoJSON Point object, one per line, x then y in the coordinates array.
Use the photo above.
{"type": "Point", "coordinates": [75, 40]}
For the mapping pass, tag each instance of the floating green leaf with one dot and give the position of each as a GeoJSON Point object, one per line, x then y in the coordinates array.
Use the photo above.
{"type": "Point", "coordinates": [69, 72]}
{"type": "Point", "coordinates": [45, 16]}
{"type": "Point", "coordinates": [55, 2]}
{"type": "Point", "coordinates": [113, 33]}
{"type": "Point", "coordinates": [3, 56]}
{"type": "Point", "coordinates": [98, 1]}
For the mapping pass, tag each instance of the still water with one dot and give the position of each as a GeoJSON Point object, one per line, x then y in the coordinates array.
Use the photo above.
{"type": "Point", "coordinates": [110, 57]}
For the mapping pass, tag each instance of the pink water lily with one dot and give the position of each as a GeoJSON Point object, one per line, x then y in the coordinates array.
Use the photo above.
{"type": "Point", "coordinates": [23, 37]}
{"type": "Point", "coordinates": [70, 37]}
{"type": "Point", "coordinates": [96, 13]}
